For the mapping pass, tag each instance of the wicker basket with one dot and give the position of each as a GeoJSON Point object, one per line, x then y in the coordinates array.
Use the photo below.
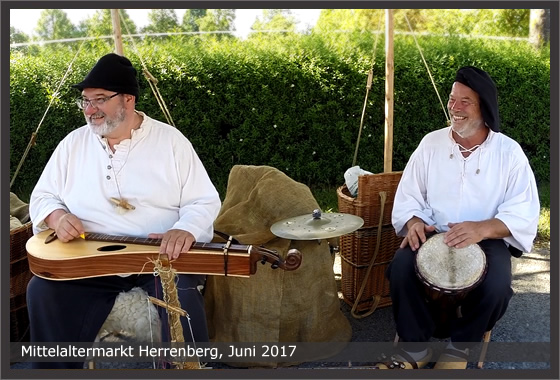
{"type": "Point", "coordinates": [356, 251]}
{"type": "Point", "coordinates": [367, 204]}
{"type": "Point", "coordinates": [19, 278]}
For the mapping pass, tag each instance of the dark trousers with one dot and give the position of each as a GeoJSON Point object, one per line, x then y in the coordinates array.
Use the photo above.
{"type": "Point", "coordinates": [75, 310]}
{"type": "Point", "coordinates": [480, 309]}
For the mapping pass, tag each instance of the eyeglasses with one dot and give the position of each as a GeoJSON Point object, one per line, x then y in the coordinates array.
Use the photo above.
{"type": "Point", "coordinates": [82, 103]}
{"type": "Point", "coordinates": [463, 102]}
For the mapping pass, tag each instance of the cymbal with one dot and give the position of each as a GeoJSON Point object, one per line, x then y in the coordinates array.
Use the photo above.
{"type": "Point", "coordinates": [316, 226]}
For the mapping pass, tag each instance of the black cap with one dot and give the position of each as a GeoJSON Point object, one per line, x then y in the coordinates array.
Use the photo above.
{"type": "Point", "coordinates": [114, 73]}
{"type": "Point", "coordinates": [480, 82]}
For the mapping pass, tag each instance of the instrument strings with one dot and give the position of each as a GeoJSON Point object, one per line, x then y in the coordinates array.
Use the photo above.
{"type": "Point", "coordinates": [148, 305]}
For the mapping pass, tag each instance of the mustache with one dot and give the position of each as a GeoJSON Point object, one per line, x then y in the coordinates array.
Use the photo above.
{"type": "Point", "coordinates": [457, 114]}
{"type": "Point", "coordinates": [97, 114]}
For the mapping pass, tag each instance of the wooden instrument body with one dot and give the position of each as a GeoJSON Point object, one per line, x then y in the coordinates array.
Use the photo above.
{"type": "Point", "coordinates": [81, 258]}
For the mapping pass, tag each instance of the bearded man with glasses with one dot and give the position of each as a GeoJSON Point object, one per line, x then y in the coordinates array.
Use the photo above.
{"type": "Point", "coordinates": [124, 174]}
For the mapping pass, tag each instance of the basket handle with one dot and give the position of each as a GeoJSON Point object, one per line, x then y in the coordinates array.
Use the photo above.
{"type": "Point", "coordinates": [377, 298]}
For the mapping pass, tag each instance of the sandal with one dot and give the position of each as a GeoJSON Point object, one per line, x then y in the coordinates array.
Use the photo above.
{"type": "Point", "coordinates": [452, 359]}
{"type": "Point", "coordinates": [403, 360]}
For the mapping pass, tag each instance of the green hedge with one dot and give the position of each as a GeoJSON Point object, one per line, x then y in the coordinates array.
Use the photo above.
{"type": "Point", "coordinates": [293, 102]}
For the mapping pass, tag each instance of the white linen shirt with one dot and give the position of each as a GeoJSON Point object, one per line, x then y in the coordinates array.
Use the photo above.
{"type": "Point", "coordinates": [440, 186]}
{"type": "Point", "coordinates": [156, 170]}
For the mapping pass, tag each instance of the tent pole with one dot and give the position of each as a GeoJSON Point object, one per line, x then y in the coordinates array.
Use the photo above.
{"type": "Point", "coordinates": [117, 32]}
{"type": "Point", "coordinates": [389, 80]}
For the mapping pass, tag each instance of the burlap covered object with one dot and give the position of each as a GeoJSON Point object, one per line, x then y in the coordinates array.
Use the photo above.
{"type": "Point", "coordinates": [273, 305]}
{"type": "Point", "coordinates": [19, 212]}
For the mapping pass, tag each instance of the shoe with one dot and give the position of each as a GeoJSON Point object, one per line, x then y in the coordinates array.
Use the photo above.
{"type": "Point", "coordinates": [452, 359]}
{"type": "Point", "coordinates": [402, 360]}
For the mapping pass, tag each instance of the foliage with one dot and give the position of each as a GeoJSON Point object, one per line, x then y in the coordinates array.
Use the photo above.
{"type": "Point", "coordinates": [101, 24]}
{"type": "Point", "coordinates": [54, 24]}
{"type": "Point", "coordinates": [275, 19]}
{"type": "Point", "coordinates": [17, 36]}
{"type": "Point", "coordinates": [190, 19]}
{"type": "Point", "coordinates": [161, 20]}
{"type": "Point", "coordinates": [544, 218]}
{"type": "Point", "coordinates": [487, 22]}
{"type": "Point", "coordinates": [216, 20]}
{"type": "Point", "coordinates": [288, 101]}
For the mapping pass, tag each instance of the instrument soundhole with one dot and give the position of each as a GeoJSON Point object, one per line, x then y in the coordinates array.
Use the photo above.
{"type": "Point", "coordinates": [110, 248]}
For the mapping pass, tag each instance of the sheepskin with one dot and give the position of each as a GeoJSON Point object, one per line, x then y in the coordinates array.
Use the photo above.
{"type": "Point", "coordinates": [133, 318]}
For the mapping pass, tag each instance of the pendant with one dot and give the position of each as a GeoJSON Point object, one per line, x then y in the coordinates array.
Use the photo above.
{"type": "Point", "coordinates": [122, 204]}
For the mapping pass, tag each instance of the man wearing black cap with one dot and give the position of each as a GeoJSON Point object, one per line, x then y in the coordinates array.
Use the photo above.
{"type": "Point", "coordinates": [124, 174]}
{"type": "Point", "coordinates": [474, 185]}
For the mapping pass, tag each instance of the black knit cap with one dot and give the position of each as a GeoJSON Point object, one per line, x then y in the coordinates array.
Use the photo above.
{"type": "Point", "coordinates": [114, 73]}
{"type": "Point", "coordinates": [480, 82]}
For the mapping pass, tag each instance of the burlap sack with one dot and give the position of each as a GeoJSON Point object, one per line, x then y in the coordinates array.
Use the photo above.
{"type": "Point", "coordinates": [19, 209]}
{"type": "Point", "coordinates": [273, 305]}
{"type": "Point", "coordinates": [15, 223]}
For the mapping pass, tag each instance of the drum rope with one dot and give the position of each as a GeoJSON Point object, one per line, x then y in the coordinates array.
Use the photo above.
{"type": "Point", "coordinates": [377, 297]}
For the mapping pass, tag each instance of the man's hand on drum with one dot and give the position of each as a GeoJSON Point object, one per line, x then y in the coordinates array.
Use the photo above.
{"type": "Point", "coordinates": [416, 233]}
{"type": "Point", "coordinates": [461, 235]}
{"type": "Point", "coordinates": [174, 242]}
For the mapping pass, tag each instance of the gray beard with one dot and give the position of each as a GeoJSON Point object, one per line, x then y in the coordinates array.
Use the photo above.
{"type": "Point", "coordinates": [109, 125]}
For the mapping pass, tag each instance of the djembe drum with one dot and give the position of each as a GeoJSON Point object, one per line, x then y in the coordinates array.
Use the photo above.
{"type": "Point", "coordinates": [448, 274]}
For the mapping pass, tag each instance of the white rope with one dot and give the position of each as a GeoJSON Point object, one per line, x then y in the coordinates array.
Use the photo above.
{"type": "Point", "coordinates": [139, 35]}
{"type": "Point", "coordinates": [34, 134]}
{"type": "Point", "coordinates": [427, 68]}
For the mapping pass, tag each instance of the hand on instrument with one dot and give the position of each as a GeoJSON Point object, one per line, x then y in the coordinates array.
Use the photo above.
{"type": "Point", "coordinates": [174, 242]}
{"type": "Point", "coordinates": [463, 234]}
{"type": "Point", "coordinates": [67, 227]}
{"type": "Point", "coordinates": [416, 234]}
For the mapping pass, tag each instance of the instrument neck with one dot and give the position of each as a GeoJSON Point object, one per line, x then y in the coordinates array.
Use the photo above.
{"type": "Point", "coordinates": [157, 242]}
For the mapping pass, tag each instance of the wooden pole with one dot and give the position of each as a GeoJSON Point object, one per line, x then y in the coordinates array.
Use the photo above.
{"type": "Point", "coordinates": [117, 31]}
{"type": "Point", "coordinates": [389, 80]}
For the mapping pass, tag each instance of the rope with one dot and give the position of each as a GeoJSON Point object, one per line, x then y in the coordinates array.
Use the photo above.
{"type": "Point", "coordinates": [150, 78]}
{"type": "Point", "coordinates": [34, 134]}
{"type": "Point", "coordinates": [376, 297]}
{"type": "Point", "coordinates": [368, 87]}
{"type": "Point", "coordinates": [427, 68]}
{"type": "Point", "coordinates": [171, 299]}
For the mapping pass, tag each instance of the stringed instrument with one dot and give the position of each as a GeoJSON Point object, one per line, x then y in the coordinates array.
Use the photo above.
{"type": "Point", "coordinates": [103, 255]}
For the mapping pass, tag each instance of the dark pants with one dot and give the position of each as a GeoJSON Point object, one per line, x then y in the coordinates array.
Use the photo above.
{"type": "Point", "coordinates": [480, 309]}
{"type": "Point", "coordinates": [75, 310]}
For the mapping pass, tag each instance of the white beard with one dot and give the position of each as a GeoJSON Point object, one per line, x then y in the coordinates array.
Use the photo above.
{"type": "Point", "coordinates": [468, 129]}
{"type": "Point", "coordinates": [109, 125]}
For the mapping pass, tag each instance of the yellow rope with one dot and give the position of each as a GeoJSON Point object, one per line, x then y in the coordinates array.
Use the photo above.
{"type": "Point", "coordinates": [368, 87]}
{"type": "Point", "coordinates": [150, 78]}
{"type": "Point", "coordinates": [427, 68]}
{"type": "Point", "coordinates": [171, 300]}
{"type": "Point", "coordinates": [34, 134]}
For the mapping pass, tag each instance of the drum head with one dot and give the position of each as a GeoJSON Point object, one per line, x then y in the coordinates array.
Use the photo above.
{"type": "Point", "coordinates": [450, 268]}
